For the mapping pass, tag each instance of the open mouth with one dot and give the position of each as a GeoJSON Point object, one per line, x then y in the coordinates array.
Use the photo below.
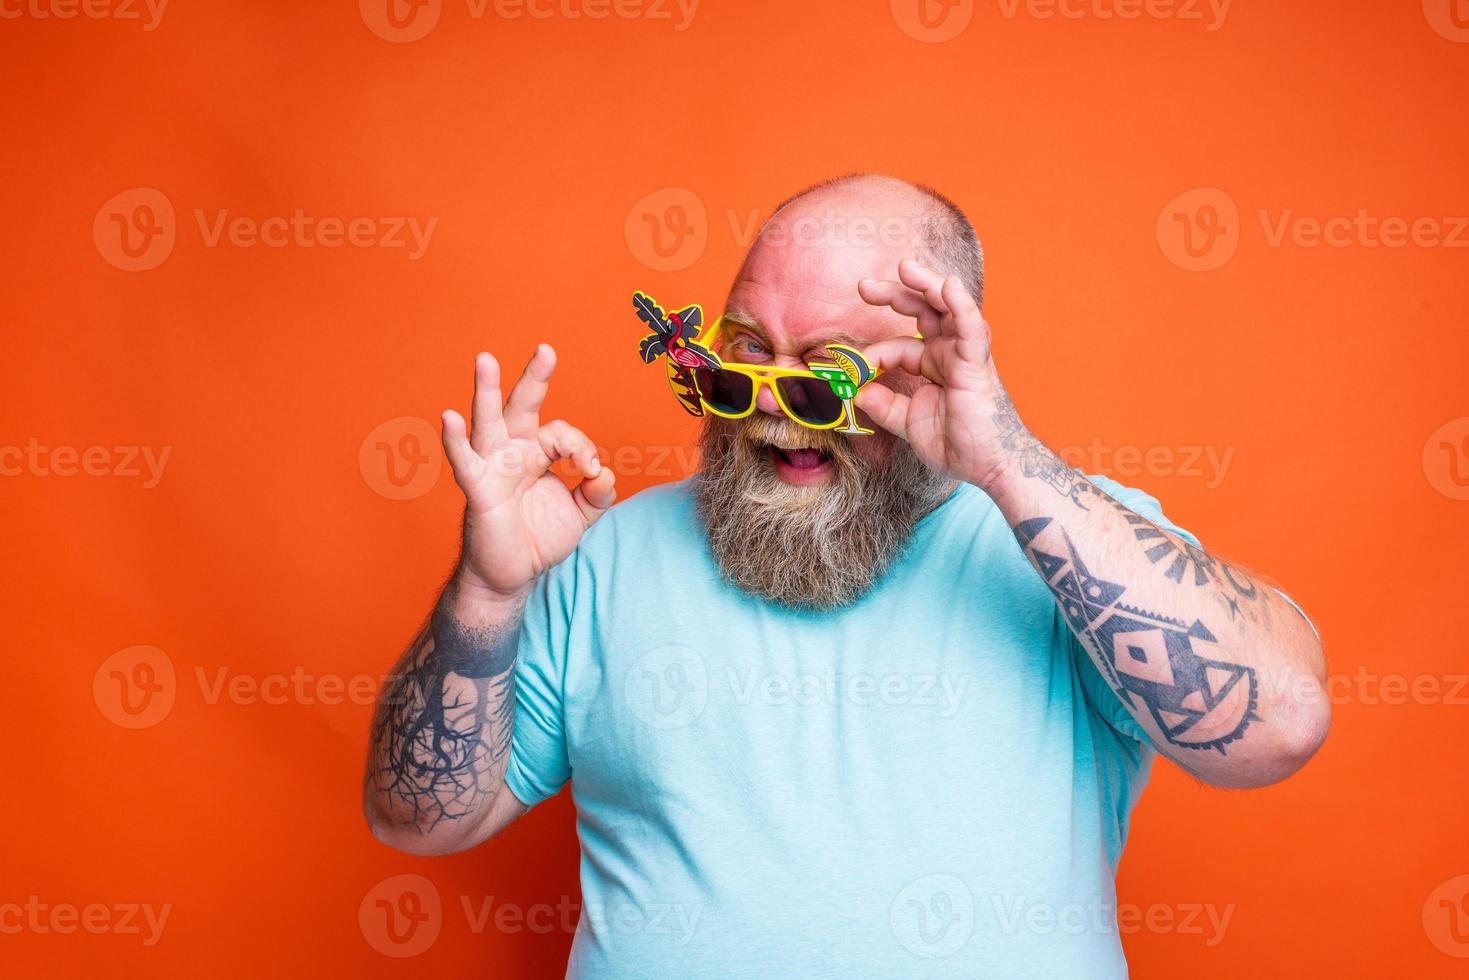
{"type": "Point", "coordinates": [800, 465]}
{"type": "Point", "coordinates": [801, 459]}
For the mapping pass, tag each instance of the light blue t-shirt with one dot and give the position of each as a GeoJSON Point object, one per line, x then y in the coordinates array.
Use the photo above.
{"type": "Point", "coordinates": [934, 781]}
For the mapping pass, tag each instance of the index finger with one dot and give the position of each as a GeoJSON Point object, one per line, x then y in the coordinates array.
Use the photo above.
{"type": "Point", "coordinates": [489, 423]}
{"type": "Point", "coordinates": [904, 353]}
{"type": "Point", "coordinates": [904, 300]}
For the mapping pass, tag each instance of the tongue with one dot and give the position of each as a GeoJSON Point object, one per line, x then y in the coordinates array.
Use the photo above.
{"type": "Point", "coordinates": [803, 459]}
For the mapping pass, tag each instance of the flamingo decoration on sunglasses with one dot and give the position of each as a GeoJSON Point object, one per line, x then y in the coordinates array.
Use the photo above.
{"type": "Point", "coordinates": [675, 336]}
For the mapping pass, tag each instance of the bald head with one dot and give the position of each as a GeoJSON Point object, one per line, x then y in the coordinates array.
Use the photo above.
{"type": "Point", "coordinates": [858, 210]}
{"type": "Point", "coordinates": [797, 289]}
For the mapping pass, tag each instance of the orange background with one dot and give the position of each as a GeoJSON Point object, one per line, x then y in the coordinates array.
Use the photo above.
{"type": "Point", "coordinates": [545, 149]}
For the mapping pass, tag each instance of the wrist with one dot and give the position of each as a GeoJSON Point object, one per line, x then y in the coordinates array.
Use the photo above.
{"type": "Point", "coordinates": [470, 599]}
{"type": "Point", "coordinates": [1003, 480]}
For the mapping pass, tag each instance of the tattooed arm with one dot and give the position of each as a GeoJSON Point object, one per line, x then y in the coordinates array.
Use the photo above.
{"type": "Point", "coordinates": [441, 735]}
{"type": "Point", "coordinates": [1220, 672]}
{"type": "Point", "coordinates": [440, 739]}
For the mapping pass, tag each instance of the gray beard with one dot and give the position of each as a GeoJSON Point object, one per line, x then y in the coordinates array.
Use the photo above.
{"type": "Point", "coordinates": [817, 547]}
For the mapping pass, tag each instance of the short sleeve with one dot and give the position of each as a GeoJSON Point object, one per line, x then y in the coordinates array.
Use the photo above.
{"type": "Point", "coordinates": [539, 765]}
{"type": "Point", "coordinates": [1099, 694]}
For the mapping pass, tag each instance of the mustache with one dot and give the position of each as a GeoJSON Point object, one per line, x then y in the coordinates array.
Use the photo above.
{"type": "Point", "coordinates": [762, 430]}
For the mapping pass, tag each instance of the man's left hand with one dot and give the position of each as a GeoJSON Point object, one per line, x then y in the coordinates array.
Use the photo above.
{"type": "Point", "coordinates": [951, 422]}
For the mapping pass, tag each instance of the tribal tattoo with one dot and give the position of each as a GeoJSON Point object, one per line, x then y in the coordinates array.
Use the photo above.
{"type": "Point", "coordinates": [1183, 562]}
{"type": "Point", "coordinates": [442, 742]}
{"type": "Point", "coordinates": [1035, 459]}
{"type": "Point", "coordinates": [1151, 661]}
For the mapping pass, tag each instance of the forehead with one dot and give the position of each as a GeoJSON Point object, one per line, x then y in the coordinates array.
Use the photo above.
{"type": "Point", "coordinates": [800, 287]}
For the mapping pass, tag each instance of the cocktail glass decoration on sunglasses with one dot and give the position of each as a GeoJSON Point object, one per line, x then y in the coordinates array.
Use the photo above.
{"type": "Point", "coordinates": [818, 396]}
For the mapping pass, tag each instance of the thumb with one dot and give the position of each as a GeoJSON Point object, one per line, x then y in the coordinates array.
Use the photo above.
{"type": "Point", "coordinates": [594, 495]}
{"type": "Point", "coordinates": [885, 407]}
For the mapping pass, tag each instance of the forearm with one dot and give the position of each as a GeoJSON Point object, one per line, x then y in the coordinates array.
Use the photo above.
{"type": "Point", "coordinates": [1220, 671]}
{"type": "Point", "coordinates": [440, 738]}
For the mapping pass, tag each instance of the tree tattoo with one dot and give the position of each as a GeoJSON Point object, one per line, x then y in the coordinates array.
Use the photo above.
{"type": "Point", "coordinates": [1150, 660]}
{"type": "Point", "coordinates": [443, 725]}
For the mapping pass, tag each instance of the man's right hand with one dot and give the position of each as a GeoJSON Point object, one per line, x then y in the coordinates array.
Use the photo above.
{"type": "Point", "coordinates": [519, 518]}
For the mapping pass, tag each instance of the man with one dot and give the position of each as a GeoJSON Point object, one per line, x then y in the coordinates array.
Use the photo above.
{"type": "Point", "coordinates": [840, 706]}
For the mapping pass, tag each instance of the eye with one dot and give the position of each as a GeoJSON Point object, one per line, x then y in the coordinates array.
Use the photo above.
{"type": "Point", "coordinates": [746, 346]}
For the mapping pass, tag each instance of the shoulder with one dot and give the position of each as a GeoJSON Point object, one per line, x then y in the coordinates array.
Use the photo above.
{"type": "Point", "coordinates": [1139, 502]}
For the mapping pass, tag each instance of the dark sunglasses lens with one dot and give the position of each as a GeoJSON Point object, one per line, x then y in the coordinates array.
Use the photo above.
{"type": "Point", "coordinates": [726, 391]}
{"type": "Point", "coordinates": [810, 400]}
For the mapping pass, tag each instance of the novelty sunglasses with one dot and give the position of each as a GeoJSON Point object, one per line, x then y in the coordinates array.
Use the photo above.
{"type": "Point", "coordinates": [818, 396]}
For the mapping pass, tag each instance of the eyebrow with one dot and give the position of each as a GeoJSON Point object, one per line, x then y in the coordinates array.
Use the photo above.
{"type": "Point", "coordinates": [739, 318]}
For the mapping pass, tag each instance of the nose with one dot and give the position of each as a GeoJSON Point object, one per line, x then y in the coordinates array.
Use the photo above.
{"type": "Point", "coordinates": [765, 401]}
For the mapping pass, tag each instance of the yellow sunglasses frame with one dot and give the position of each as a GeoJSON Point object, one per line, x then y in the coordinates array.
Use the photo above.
{"type": "Point", "coordinates": [682, 381]}
{"type": "Point", "coordinates": [765, 376]}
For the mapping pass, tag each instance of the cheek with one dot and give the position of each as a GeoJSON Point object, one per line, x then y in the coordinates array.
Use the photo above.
{"type": "Point", "coordinates": [874, 450]}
